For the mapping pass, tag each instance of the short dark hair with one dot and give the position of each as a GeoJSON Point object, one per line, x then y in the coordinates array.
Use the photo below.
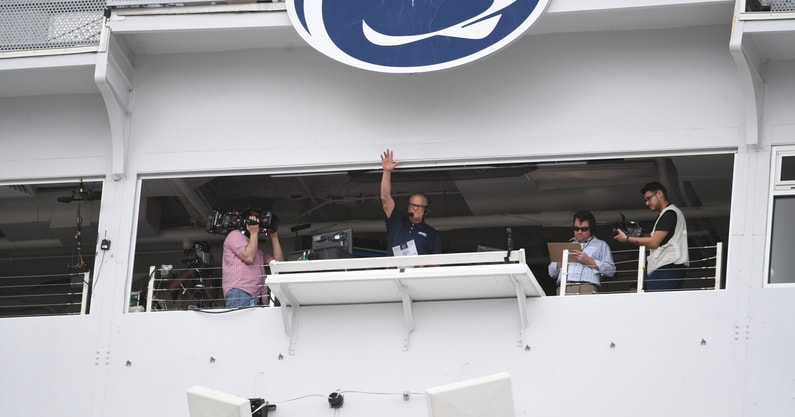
{"type": "Point", "coordinates": [654, 186]}
{"type": "Point", "coordinates": [584, 215]}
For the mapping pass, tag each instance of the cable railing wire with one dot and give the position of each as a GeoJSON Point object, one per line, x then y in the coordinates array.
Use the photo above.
{"type": "Point", "coordinates": [43, 294]}
{"type": "Point", "coordinates": [705, 269]}
{"type": "Point", "coordinates": [193, 289]}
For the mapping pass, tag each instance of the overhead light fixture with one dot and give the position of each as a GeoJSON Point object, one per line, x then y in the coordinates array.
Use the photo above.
{"type": "Point", "coordinates": [446, 173]}
{"type": "Point", "coordinates": [307, 174]}
{"type": "Point", "coordinates": [560, 163]}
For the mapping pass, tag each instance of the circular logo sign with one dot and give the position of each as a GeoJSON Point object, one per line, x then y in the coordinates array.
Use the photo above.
{"type": "Point", "coordinates": [404, 36]}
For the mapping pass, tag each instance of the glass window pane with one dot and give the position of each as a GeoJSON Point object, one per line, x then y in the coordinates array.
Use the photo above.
{"type": "Point", "coordinates": [782, 263]}
{"type": "Point", "coordinates": [787, 168]}
{"type": "Point", "coordinates": [48, 236]}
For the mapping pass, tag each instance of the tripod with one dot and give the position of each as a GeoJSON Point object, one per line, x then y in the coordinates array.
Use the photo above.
{"type": "Point", "coordinates": [195, 288]}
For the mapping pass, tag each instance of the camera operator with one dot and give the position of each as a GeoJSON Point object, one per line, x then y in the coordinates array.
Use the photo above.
{"type": "Point", "coordinates": [668, 250]}
{"type": "Point", "coordinates": [244, 262]}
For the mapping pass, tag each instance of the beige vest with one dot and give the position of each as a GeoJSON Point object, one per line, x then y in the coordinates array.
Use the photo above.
{"type": "Point", "coordinates": [675, 251]}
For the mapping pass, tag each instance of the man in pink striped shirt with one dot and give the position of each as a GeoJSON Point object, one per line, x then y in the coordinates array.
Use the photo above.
{"type": "Point", "coordinates": [244, 264]}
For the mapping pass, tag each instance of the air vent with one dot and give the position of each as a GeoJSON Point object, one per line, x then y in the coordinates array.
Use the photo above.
{"type": "Point", "coordinates": [16, 191]}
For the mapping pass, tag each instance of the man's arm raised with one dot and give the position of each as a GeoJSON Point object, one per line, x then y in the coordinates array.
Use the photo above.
{"type": "Point", "coordinates": [388, 165]}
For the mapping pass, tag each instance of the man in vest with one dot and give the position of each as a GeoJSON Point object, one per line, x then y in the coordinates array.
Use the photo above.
{"type": "Point", "coordinates": [668, 251]}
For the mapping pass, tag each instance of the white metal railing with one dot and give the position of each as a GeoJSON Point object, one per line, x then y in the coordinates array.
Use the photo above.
{"type": "Point", "coordinates": [704, 272]}
{"type": "Point", "coordinates": [44, 295]}
{"type": "Point", "coordinates": [171, 288]}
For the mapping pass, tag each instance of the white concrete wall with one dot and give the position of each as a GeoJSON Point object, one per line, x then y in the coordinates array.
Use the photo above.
{"type": "Point", "coordinates": [545, 96]}
{"type": "Point", "coordinates": [45, 137]}
{"type": "Point", "coordinates": [779, 125]}
{"type": "Point", "coordinates": [768, 332]}
{"type": "Point", "coordinates": [615, 354]}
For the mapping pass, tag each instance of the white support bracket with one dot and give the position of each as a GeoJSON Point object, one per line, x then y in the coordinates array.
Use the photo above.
{"type": "Point", "coordinates": [521, 299]}
{"type": "Point", "coordinates": [751, 68]}
{"type": "Point", "coordinates": [408, 314]}
{"type": "Point", "coordinates": [400, 280]}
{"type": "Point", "coordinates": [113, 76]}
{"type": "Point", "coordinates": [290, 323]}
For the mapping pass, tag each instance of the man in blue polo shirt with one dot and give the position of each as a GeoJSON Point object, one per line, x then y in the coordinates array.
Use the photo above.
{"type": "Point", "coordinates": [407, 233]}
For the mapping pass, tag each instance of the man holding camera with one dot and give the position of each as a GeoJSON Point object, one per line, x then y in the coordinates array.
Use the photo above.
{"type": "Point", "coordinates": [588, 265]}
{"type": "Point", "coordinates": [668, 250]}
{"type": "Point", "coordinates": [407, 233]}
{"type": "Point", "coordinates": [244, 263]}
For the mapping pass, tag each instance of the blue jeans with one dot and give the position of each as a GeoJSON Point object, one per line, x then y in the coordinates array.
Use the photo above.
{"type": "Point", "coordinates": [665, 279]}
{"type": "Point", "coordinates": [239, 298]}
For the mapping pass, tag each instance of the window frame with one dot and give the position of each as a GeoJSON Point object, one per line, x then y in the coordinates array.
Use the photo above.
{"type": "Point", "coordinates": [778, 188]}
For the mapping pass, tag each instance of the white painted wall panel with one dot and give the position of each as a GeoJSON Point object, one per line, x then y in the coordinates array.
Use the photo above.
{"type": "Point", "coordinates": [49, 365]}
{"type": "Point", "coordinates": [53, 136]}
{"type": "Point", "coordinates": [359, 348]}
{"type": "Point", "coordinates": [543, 96]}
{"type": "Point", "coordinates": [770, 340]}
{"type": "Point", "coordinates": [779, 97]}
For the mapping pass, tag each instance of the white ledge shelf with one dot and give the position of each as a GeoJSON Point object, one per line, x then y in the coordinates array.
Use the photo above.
{"type": "Point", "coordinates": [461, 276]}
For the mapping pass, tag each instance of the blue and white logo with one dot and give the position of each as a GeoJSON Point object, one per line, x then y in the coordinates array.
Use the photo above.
{"type": "Point", "coordinates": [402, 36]}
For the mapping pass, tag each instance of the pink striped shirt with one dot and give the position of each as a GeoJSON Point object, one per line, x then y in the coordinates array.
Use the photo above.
{"type": "Point", "coordinates": [238, 274]}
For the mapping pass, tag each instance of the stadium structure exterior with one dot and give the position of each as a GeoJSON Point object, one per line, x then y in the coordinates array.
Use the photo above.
{"type": "Point", "coordinates": [170, 106]}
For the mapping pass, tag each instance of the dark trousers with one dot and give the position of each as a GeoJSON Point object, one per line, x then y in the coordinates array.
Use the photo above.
{"type": "Point", "coordinates": [665, 278]}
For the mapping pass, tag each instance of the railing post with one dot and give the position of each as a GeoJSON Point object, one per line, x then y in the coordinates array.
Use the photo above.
{"type": "Point", "coordinates": [641, 267]}
{"type": "Point", "coordinates": [84, 297]}
{"type": "Point", "coordinates": [564, 271]}
{"type": "Point", "coordinates": [151, 288]}
{"type": "Point", "coordinates": [718, 264]}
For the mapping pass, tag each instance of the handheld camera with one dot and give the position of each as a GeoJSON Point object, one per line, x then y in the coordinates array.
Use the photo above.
{"type": "Point", "coordinates": [237, 219]}
{"type": "Point", "coordinates": [630, 227]}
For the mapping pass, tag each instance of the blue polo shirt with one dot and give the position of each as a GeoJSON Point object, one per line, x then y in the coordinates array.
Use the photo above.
{"type": "Point", "coordinates": [400, 230]}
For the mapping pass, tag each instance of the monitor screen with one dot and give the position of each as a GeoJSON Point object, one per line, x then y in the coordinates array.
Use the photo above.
{"type": "Point", "coordinates": [339, 239]}
{"type": "Point", "coordinates": [206, 402]}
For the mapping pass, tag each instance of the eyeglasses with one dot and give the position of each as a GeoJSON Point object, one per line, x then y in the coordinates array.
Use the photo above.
{"type": "Point", "coordinates": [648, 197]}
{"type": "Point", "coordinates": [417, 206]}
{"type": "Point", "coordinates": [584, 228]}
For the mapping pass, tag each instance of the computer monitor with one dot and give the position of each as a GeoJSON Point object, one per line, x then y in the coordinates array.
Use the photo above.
{"type": "Point", "coordinates": [488, 396]}
{"type": "Point", "coordinates": [333, 242]}
{"type": "Point", "coordinates": [206, 402]}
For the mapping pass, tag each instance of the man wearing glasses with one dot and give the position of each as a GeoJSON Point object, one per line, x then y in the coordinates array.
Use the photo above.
{"type": "Point", "coordinates": [668, 250]}
{"type": "Point", "coordinates": [588, 265]}
{"type": "Point", "coordinates": [407, 233]}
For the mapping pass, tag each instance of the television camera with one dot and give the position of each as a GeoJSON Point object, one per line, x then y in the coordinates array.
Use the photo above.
{"type": "Point", "coordinates": [198, 256]}
{"type": "Point", "coordinates": [630, 227]}
{"type": "Point", "coordinates": [237, 219]}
